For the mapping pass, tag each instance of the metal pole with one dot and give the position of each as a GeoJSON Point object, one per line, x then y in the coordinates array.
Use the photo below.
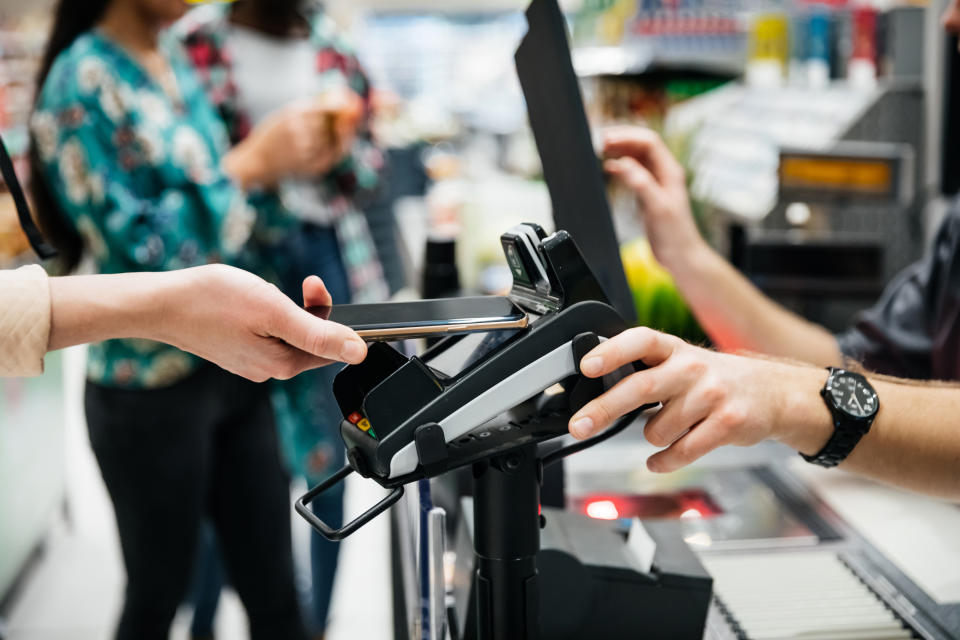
{"type": "Point", "coordinates": [506, 509]}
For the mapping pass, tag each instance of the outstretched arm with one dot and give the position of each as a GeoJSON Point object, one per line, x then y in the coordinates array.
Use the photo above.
{"type": "Point", "coordinates": [712, 399]}
{"type": "Point", "coordinates": [735, 314]}
{"type": "Point", "coordinates": [222, 314]}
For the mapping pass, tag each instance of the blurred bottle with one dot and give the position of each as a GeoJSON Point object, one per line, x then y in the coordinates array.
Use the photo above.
{"type": "Point", "coordinates": [819, 46]}
{"type": "Point", "coordinates": [612, 25]}
{"type": "Point", "coordinates": [862, 70]}
{"type": "Point", "coordinates": [441, 278]}
{"type": "Point", "coordinates": [769, 50]}
{"type": "Point", "coordinates": [796, 69]}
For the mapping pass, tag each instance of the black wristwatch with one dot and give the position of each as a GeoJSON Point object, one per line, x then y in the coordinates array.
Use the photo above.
{"type": "Point", "coordinates": [853, 403]}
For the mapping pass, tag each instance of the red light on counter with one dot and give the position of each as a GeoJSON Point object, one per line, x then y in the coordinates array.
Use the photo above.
{"type": "Point", "coordinates": [602, 510]}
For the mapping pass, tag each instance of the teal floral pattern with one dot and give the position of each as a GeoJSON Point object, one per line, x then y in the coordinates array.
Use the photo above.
{"type": "Point", "coordinates": [135, 166]}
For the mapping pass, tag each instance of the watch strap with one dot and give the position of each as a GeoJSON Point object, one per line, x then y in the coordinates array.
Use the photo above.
{"type": "Point", "coordinates": [839, 446]}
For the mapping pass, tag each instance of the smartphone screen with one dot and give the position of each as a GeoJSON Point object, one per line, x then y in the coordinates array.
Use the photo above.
{"type": "Point", "coordinates": [400, 320]}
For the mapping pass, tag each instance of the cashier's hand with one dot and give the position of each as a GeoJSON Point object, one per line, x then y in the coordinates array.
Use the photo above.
{"type": "Point", "coordinates": [709, 399]}
{"type": "Point", "coordinates": [640, 160]}
{"type": "Point", "coordinates": [247, 326]}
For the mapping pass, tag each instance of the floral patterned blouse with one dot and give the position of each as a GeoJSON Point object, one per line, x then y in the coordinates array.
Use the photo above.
{"type": "Point", "coordinates": [134, 163]}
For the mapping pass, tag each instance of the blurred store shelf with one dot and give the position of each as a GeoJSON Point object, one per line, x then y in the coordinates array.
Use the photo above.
{"type": "Point", "coordinates": [443, 6]}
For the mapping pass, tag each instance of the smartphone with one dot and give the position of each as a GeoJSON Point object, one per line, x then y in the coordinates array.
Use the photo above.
{"type": "Point", "coordinates": [390, 321]}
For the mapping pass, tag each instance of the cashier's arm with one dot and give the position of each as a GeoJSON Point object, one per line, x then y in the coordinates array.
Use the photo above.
{"type": "Point", "coordinates": [712, 399]}
{"type": "Point", "coordinates": [735, 314]}
{"type": "Point", "coordinates": [225, 315]}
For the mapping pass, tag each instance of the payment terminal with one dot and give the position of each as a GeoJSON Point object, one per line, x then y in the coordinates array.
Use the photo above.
{"type": "Point", "coordinates": [486, 400]}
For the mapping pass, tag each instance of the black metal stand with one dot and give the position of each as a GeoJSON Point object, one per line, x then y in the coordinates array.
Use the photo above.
{"type": "Point", "coordinates": [506, 513]}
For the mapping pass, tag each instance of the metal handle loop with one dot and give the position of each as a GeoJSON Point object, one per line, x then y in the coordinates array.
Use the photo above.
{"type": "Point", "coordinates": [328, 532]}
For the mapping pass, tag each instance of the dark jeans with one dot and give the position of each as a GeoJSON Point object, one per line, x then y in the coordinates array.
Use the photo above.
{"type": "Point", "coordinates": [205, 447]}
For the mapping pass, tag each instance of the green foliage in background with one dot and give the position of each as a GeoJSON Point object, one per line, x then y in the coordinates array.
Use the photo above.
{"type": "Point", "coordinates": [656, 297]}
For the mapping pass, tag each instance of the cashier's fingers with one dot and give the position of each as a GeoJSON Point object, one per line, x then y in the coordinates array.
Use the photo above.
{"type": "Point", "coordinates": [670, 383]}
{"type": "Point", "coordinates": [639, 180]}
{"type": "Point", "coordinates": [698, 442]}
{"type": "Point", "coordinates": [645, 387]}
{"type": "Point", "coordinates": [645, 146]}
{"type": "Point", "coordinates": [638, 344]}
{"type": "Point", "coordinates": [676, 417]}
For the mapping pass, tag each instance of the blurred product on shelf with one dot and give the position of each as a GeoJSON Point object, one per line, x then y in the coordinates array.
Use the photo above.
{"type": "Point", "coordinates": [769, 50]}
{"type": "Point", "coordinates": [821, 41]}
{"type": "Point", "coordinates": [818, 50]}
{"type": "Point", "coordinates": [626, 36]}
{"type": "Point", "coordinates": [862, 68]}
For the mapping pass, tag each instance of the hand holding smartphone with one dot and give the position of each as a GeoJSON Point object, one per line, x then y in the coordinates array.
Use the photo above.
{"type": "Point", "coordinates": [423, 318]}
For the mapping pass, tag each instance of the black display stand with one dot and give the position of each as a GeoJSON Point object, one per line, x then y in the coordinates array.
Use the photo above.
{"type": "Point", "coordinates": [506, 510]}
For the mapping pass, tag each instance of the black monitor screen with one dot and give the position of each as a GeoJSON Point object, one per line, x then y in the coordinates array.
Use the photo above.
{"type": "Point", "coordinates": [570, 165]}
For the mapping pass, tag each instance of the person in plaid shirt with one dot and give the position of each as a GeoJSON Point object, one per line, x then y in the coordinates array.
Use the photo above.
{"type": "Point", "coordinates": [305, 225]}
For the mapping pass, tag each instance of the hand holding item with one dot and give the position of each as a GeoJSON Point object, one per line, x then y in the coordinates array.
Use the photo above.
{"type": "Point", "coordinates": [294, 141]}
{"type": "Point", "coordinates": [709, 399]}
{"type": "Point", "coordinates": [639, 159]}
{"type": "Point", "coordinates": [304, 139]}
{"type": "Point", "coordinates": [344, 112]}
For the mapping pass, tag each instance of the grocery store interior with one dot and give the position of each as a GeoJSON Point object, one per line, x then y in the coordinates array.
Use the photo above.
{"type": "Point", "coordinates": [811, 147]}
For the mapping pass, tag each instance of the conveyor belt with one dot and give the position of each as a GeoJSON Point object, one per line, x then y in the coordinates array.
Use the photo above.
{"type": "Point", "coordinates": [808, 595]}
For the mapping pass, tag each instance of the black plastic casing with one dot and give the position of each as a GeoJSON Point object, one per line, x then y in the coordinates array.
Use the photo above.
{"type": "Point", "coordinates": [412, 395]}
{"type": "Point", "coordinates": [398, 395]}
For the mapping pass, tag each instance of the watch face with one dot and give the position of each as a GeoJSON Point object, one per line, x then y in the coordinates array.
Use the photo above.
{"type": "Point", "coordinates": [852, 395]}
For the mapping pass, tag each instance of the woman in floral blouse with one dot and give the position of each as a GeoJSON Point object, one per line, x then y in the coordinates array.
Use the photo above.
{"type": "Point", "coordinates": [315, 226]}
{"type": "Point", "coordinates": [133, 168]}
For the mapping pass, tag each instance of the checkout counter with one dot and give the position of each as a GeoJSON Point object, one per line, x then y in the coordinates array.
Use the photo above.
{"type": "Point", "coordinates": [794, 551]}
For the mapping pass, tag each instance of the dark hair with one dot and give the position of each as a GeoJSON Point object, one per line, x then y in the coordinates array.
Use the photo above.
{"type": "Point", "coordinates": [278, 17]}
{"type": "Point", "coordinates": [71, 19]}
